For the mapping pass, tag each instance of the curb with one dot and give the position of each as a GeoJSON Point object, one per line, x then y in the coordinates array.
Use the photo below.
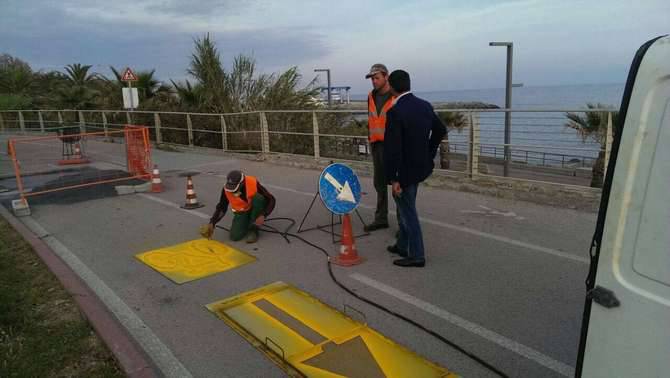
{"type": "Point", "coordinates": [132, 359]}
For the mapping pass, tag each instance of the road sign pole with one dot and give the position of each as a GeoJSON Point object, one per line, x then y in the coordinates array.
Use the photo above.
{"type": "Point", "coordinates": [130, 94]}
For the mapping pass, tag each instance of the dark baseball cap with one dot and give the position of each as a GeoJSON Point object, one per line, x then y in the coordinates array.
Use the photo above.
{"type": "Point", "coordinates": [233, 181]}
{"type": "Point", "coordinates": [376, 68]}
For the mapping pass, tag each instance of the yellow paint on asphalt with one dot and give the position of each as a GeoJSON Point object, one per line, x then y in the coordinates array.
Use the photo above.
{"type": "Point", "coordinates": [194, 259]}
{"type": "Point", "coordinates": [349, 348]}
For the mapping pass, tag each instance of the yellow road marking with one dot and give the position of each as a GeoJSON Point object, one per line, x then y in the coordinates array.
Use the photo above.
{"type": "Point", "coordinates": [350, 348]}
{"type": "Point", "coordinates": [194, 259]}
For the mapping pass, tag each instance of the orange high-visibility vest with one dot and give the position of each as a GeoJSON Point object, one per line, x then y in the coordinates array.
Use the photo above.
{"type": "Point", "coordinates": [377, 122]}
{"type": "Point", "coordinates": [238, 204]}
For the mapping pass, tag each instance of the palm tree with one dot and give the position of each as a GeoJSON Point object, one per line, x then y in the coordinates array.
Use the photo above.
{"type": "Point", "coordinates": [454, 121]}
{"type": "Point", "coordinates": [244, 89]}
{"type": "Point", "coordinates": [189, 96]}
{"type": "Point", "coordinates": [593, 126]}
{"type": "Point", "coordinates": [80, 88]}
{"type": "Point", "coordinates": [16, 80]}
{"type": "Point", "coordinates": [16, 87]}
{"type": "Point", "coordinates": [206, 68]}
{"type": "Point", "coordinates": [48, 83]}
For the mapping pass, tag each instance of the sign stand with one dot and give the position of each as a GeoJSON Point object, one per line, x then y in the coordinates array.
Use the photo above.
{"type": "Point", "coordinates": [331, 225]}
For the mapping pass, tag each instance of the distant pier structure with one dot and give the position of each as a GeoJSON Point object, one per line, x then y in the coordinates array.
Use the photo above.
{"type": "Point", "coordinates": [338, 95]}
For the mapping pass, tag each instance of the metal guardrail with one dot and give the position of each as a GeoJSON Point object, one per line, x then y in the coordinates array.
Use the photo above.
{"type": "Point", "coordinates": [539, 138]}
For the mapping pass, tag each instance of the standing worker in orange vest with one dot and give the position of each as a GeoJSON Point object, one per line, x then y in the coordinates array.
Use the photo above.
{"type": "Point", "coordinates": [380, 101]}
{"type": "Point", "coordinates": [251, 203]}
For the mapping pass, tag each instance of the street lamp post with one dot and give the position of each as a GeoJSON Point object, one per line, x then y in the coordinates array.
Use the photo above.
{"type": "Point", "coordinates": [327, 71]}
{"type": "Point", "coordinates": [508, 103]}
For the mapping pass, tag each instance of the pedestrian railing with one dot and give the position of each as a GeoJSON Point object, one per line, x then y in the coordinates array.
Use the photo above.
{"type": "Point", "coordinates": [542, 148]}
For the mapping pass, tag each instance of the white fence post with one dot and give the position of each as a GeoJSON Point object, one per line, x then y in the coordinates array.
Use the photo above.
{"type": "Point", "coordinates": [224, 134]}
{"type": "Point", "coordinates": [315, 131]}
{"type": "Point", "coordinates": [82, 122]}
{"type": "Point", "coordinates": [189, 125]}
{"type": "Point", "coordinates": [22, 123]}
{"type": "Point", "coordinates": [474, 145]}
{"type": "Point", "coordinates": [60, 118]}
{"type": "Point", "coordinates": [39, 116]}
{"type": "Point", "coordinates": [104, 124]}
{"type": "Point", "coordinates": [265, 134]}
{"type": "Point", "coordinates": [157, 124]}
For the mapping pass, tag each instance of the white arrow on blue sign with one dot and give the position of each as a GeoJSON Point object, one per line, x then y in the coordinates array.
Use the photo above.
{"type": "Point", "coordinates": [340, 189]}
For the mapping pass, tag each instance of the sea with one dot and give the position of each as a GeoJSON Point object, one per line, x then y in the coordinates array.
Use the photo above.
{"type": "Point", "coordinates": [537, 138]}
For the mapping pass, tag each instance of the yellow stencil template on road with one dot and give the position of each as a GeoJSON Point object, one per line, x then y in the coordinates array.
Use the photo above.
{"type": "Point", "coordinates": [308, 338]}
{"type": "Point", "coordinates": [194, 259]}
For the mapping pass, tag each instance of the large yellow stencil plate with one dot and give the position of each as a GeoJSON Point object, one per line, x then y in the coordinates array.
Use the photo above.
{"type": "Point", "coordinates": [349, 348]}
{"type": "Point", "coordinates": [194, 259]}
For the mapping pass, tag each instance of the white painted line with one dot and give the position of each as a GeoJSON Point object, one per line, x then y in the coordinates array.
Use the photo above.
{"type": "Point", "coordinates": [159, 353]}
{"type": "Point", "coordinates": [174, 205]}
{"type": "Point", "coordinates": [469, 326]}
{"type": "Point", "coordinates": [204, 165]}
{"type": "Point", "coordinates": [467, 230]}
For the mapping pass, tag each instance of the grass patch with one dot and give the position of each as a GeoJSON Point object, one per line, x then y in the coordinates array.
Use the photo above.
{"type": "Point", "coordinates": [42, 333]}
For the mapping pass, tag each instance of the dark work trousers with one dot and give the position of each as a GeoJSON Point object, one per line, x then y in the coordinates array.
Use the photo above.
{"type": "Point", "coordinates": [381, 186]}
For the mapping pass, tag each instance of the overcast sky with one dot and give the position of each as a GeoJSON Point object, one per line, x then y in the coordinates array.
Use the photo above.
{"type": "Point", "coordinates": [442, 43]}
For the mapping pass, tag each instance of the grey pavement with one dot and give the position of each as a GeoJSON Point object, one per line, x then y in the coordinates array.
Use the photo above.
{"type": "Point", "coordinates": [504, 278]}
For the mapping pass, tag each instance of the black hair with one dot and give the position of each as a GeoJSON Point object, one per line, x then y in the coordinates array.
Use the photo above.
{"type": "Point", "coordinates": [399, 81]}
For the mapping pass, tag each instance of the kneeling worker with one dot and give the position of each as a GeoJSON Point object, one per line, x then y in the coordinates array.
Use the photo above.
{"type": "Point", "coordinates": [250, 203]}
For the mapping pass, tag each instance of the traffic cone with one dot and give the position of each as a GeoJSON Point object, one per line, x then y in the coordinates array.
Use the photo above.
{"type": "Point", "coordinates": [348, 254]}
{"type": "Point", "coordinates": [191, 197]}
{"type": "Point", "coordinates": [77, 152]}
{"type": "Point", "coordinates": [76, 158]}
{"type": "Point", "coordinates": [156, 183]}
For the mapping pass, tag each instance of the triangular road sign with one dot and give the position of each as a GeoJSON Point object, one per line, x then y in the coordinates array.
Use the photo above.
{"type": "Point", "coordinates": [128, 75]}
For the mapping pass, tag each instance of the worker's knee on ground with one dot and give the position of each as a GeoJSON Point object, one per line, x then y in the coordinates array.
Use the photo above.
{"type": "Point", "coordinates": [237, 235]}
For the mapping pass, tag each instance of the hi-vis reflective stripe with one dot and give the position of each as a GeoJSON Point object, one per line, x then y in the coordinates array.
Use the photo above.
{"type": "Point", "coordinates": [308, 338]}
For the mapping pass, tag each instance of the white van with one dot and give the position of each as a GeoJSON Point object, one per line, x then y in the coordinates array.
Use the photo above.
{"type": "Point", "coordinates": [626, 326]}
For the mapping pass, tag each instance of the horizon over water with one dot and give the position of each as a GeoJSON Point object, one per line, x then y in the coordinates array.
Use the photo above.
{"type": "Point", "coordinates": [532, 131]}
{"type": "Point", "coordinates": [561, 97]}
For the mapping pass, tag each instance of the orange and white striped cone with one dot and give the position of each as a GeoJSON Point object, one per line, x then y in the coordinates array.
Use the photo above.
{"type": "Point", "coordinates": [191, 197]}
{"type": "Point", "coordinates": [156, 183]}
{"type": "Point", "coordinates": [77, 152]}
{"type": "Point", "coordinates": [76, 158]}
{"type": "Point", "coordinates": [348, 254]}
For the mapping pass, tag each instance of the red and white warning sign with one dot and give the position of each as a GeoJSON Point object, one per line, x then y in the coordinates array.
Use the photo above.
{"type": "Point", "coordinates": [129, 75]}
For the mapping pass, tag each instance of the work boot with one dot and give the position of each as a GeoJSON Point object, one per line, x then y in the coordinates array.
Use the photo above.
{"type": "Point", "coordinates": [410, 263]}
{"type": "Point", "coordinates": [252, 235]}
{"type": "Point", "coordinates": [396, 251]}
{"type": "Point", "coordinates": [375, 226]}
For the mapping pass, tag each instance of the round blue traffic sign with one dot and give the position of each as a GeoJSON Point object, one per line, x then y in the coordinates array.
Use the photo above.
{"type": "Point", "coordinates": [339, 189]}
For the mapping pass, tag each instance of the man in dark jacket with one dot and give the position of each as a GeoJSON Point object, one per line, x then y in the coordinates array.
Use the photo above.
{"type": "Point", "coordinates": [413, 134]}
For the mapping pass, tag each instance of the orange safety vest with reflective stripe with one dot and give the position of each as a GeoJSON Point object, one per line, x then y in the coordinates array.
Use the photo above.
{"type": "Point", "coordinates": [377, 122]}
{"type": "Point", "coordinates": [238, 204]}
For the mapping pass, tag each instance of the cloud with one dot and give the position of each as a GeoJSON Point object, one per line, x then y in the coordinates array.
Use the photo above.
{"type": "Point", "coordinates": [442, 43]}
{"type": "Point", "coordinates": [53, 36]}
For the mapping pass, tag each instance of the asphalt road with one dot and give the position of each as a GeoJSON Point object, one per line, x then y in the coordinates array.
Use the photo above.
{"type": "Point", "coordinates": [504, 279]}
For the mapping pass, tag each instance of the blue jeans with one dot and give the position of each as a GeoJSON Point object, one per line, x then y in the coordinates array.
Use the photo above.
{"type": "Point", "coordinates": [410, 238]}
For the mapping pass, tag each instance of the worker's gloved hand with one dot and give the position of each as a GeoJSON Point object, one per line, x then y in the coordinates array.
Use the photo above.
{"type": "Point", "coordinates": [207, 230]}
{"type": "Point", "coordinates": [260, 220]}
